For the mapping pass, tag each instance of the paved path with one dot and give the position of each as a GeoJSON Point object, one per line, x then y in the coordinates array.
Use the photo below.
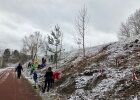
{"type": "Point", "coordinates": [12, 88]}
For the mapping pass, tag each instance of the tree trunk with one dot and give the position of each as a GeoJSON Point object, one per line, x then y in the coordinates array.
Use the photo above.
{"type": "Point", "coordinates": [83, 36]}
{"type": "Point", "coordinates": [32, 57]}
{"type": "Point", "coordinates": [84, 46]}
{"type": "Point", "coordinates": [61, 46]}
{"type": "Point", "coordinates": [56, 57]}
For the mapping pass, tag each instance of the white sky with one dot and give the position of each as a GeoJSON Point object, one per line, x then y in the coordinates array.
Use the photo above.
{"type": "Point", "coordinates": [22, 17]}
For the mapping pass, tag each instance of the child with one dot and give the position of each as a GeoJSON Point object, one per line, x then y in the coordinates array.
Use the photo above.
{"type": "Point", "coordinates": [39, 66]}
{"type": "Point", "coordinates": [42, 65]}
{"type": "Point", "coordinates": [31, 69]}
{"type": "Point", "coordinates": [35, 77]}
{"type": "Point", "coordinates": [29, 65]}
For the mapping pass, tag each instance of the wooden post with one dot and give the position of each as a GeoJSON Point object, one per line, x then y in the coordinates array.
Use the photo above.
{"type": "Point", "coordinates": [117, 61]}
{"type": "Point", "coordinates": [134, 77]}
{"type": "Point", "coordinates": [101, 71]}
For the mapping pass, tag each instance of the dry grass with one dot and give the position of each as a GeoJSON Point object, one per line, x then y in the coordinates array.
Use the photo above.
{"type": "Point", "coordinates": [93, 83]}
{"type": "Point", "coordinates": [67, 90]}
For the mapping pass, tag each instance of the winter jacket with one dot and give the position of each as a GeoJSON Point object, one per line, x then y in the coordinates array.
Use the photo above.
{"type": "Point", "coordinates": [35, 75]}
{"type": "Point", "coordinates": [48, 76]}
{"type": "Point", "coordinates": [42, 65]}
{"type": "Point", "coordinates": [56, 75]}
{"type": "Point", "coordinates": [29, 64]}
{"type": "Point", "coordinates": [32, 68]}
{"type": "Point", "coordinates": [19, 68]}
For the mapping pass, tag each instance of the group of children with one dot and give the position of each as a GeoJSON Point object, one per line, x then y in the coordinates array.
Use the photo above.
{"type": "Point", "coordinates": [49, 75]}
{"type": "Point", "coordinates": [34, 66]}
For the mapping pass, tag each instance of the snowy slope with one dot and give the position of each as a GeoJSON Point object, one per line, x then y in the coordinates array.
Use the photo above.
{"type": "Point", "coordinates": [81, 78]}
{"type": "Point", "coordinates": [88, 82]}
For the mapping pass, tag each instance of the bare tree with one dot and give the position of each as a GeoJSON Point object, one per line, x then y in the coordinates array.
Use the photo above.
{"type": "Point", "coordinates": [124, 31]}
{"type": "Point", "coordinates": [77, 40]}
{"type": "Point", "coordinates": [45, 46]}
{"type": "Point", "coordinates": [81, 25]}
{"type": "Point", "coordinates": [32, 44]}
{"type": "Point", "coordinates": [46, 50]}
{"type": "Point", "coordinates": [131, 27]}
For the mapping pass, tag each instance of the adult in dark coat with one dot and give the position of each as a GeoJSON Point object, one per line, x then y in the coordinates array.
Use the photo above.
{"type": "Point", "coordinates": [48, 79]}
{"type": "Point", "coordinates": [18, 69]}
{"type": "Point", "coordinates": [44, 61]}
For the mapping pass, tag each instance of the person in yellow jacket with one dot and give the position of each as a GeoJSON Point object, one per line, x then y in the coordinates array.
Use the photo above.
{"type": "Point", "coordinates": [36, 63]}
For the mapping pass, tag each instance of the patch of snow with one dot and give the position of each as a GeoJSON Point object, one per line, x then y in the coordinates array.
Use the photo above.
{"type": "Point", "coordinates": [82, 81]}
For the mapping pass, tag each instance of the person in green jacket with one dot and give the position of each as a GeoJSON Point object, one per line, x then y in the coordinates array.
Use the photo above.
{"type": "Point", "coordinates": [31, 69]}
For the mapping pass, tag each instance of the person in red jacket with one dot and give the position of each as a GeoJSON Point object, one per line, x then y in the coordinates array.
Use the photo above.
{"type": "Point", "coordinates": [55, 76]}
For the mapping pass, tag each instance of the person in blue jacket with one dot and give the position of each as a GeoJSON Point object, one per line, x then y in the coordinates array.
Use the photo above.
{"type": "Point", "coordinates": [42, 65]}
{"type": "Point", "coordinates": [35, 77]}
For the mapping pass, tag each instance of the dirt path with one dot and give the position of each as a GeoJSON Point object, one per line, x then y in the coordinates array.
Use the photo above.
{"type": "Point", "coordinates": [12, 88]}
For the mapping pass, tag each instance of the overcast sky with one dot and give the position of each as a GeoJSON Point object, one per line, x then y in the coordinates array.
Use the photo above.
{"type": "Point", "coordinates": [22, 17]}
